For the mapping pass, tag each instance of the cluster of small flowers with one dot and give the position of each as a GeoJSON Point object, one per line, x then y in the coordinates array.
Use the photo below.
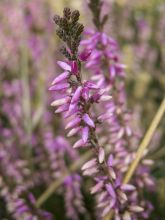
{"type": "Point", "coordinates": [76, 100]}
{"type": "Point", "coordinates": [15, 183]}
{"type": "Point", "coordinates": [50, 156]}
{"type": "Point", "coordinates": [74, 204]}
{"type": "Point", "coordinates": [146, 53]}
{"type": "Point", "coordinates": [110, 192]}
{"type": "Point", "coordinates": [51, 166]}
{"type": "Point", "coordinates": [122, 138]}
{"type": "Point", "coordinates": [11, 109]}
{"type": "Point", "coordinates": [57, 150]}
{"type": "Point", "coordinates": [28, 18]}
{"type": "Point", "coordinates": [106, 59]}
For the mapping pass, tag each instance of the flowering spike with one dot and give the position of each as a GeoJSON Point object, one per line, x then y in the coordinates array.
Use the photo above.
{"type": "Point", "coordinates": [82, 96]}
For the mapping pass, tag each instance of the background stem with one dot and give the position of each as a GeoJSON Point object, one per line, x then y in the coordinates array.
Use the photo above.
{"type": "Point", "coordinates": [146, 140]}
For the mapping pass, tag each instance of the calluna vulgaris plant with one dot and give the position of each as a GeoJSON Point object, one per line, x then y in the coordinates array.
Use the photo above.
{"type": "Point", "coordinates": [96, 113]}
{"type": "Point", "coordinates": [36, 150]}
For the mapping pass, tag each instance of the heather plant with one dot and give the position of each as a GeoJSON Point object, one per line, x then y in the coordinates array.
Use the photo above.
{"type": "Point", "coordinates": [87, 161]}
{"type": "Point", "coordinates": [77, 100]}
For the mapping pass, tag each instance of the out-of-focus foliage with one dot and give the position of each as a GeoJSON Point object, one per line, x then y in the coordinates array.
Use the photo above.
{"type": "Point", "coordinates": [140, 29]}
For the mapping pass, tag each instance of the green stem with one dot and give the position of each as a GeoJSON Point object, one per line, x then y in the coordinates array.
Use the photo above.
{"type": "Point", "coordinates": [26, 106]}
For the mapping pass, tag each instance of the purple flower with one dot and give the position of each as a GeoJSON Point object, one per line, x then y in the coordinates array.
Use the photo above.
{"type": "Point", "coordinates": [73, 198]}
{"type": "Point", "coordinates": [77, 95]}
{"type": "Point", "coordinates": [74, 67]}
{"type": "Point", "coordinates": [88, 120]}
{"type": "Point", "coordinates": [121, 136]}
{"type": "Point", "coordinates": [64, 66]}
{"type": "Point", "coordinates": [73, 123]}
{"type": "Point", "coordinates": [84, 55]}
{"type": "Point", "coordinates": [60, 78]}
{"type": "Point", "coordinates": [101, 155]}
{"type": "Point", "coordinates": [59, 87]}
{"type": "Point", "coordinates": [85, 134]}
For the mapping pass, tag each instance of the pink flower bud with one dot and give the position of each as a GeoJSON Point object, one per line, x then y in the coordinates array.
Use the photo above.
{"type": "Point", "coordinates": [74, 67]}
{"type": "Point", "coordinates": [85, 134]}
{"type": "Point", "coordinates": [88, 120]}
{"type": "Point", "coordinates": [84, 55]}
{"type": "Point", "coordinates": [64, 66]}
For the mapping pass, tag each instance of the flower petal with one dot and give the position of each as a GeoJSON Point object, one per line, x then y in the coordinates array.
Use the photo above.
{"type": "Point", "coordinates": [60, 101]}
{"type": "Point", "coordinates": [85, 93]}
{"type": "Point", "coordinates": [97, 187]}
{"type": "Point", "coordinates": [76, 95]}
{"type": "Point", "coordinates": [64, 65]}
{"type": "Point", "coordinates": [74, 67]}
{"type": "Point", "coordinates": [72, 110]}
{"type": "Point", "coordinates": [89, 164]}
{"type": "Point", "coordinates": [110, 160]}
{"type": "Point", "coordinates": [91, 85]}
{"type": "Point", "coordinates": [78, 144]}
{"type": "Point", "coordinates": [105, 98]}
{"type": "Point", "coordinates": [128, 187]}
{"type": "Point", "coordinates": [90, 171]}
{"type": "Point", "coordinates": [62, 108]}
{"type": "Point", "coordinates": [60, 78]}
{"type": "Point", "coordinates": [85, 134]}
{"type": "Point", "coordinates": [136, 208]}
{"type": "Point", "coordinates": [84, 55]}
{"type": "Point", "coordinates": [73, 123]}
{"type": "Point", "coordinates": [73, 131]}
{"type": "Point", "coordinates": [59, 87]}
{"type": "Point", "coordinates": [101, 155]}
{"type": "Point", "coordinates": [88, 120]}
{"type": "Point", "coordinates": [111, 190]}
